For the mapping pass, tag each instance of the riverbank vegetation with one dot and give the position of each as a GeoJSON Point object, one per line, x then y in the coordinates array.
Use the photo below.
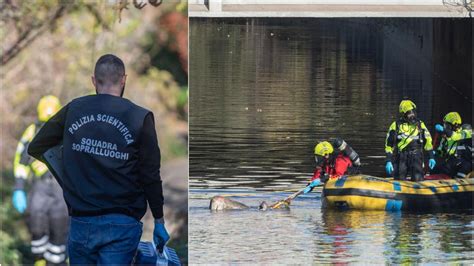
{"type": "Point", "coordinates": [51, 47]}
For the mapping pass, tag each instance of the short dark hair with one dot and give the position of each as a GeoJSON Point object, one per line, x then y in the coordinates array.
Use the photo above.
{"type": "Point", "coordinates": [109, 69]}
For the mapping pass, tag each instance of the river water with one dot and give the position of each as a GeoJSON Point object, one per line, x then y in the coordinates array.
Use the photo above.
{"type": "Point", "coordinates": [263, 92]}
{"type": "Point", "coordinates": [307, 234]}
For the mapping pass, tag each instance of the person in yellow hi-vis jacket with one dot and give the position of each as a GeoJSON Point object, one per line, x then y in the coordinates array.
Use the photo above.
{"type": "Point", "coordinates": [406, 139]}
{"type": "Point", "coordinates": [46, 211]}
{"type": "Point", "coordinates": [455, 148]}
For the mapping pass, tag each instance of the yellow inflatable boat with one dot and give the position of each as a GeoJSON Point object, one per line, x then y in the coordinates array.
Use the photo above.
{"type": "Point", "coordinates": [374, 193]}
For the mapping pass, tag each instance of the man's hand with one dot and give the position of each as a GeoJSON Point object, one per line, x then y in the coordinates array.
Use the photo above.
{"type": "Point", "coordinates": [432, 163]}
{"type": "Point", "coordinates": [357, 162]}
{"type": "Point", "coordinates": [389, 167]}
{"type": "Point", "coordinates": [160, 235]}
{"type": "Point", "coordinates": [311, 185]}
{"type": "Point", "coordinates": [439, 128]}
{"type": "Point", "coordinates": [19, 200]}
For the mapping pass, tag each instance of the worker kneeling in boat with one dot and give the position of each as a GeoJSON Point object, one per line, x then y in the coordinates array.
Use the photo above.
{"type": "Point", "coordinates": [404, 144]}
{"type": "Point", "coordinates": [455, 148]}
{"type": "Point", "coordinates": [331, 163]}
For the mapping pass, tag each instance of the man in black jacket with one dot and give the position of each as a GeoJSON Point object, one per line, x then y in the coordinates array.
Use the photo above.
{"type": "Point", "coordinates": [111, 162]}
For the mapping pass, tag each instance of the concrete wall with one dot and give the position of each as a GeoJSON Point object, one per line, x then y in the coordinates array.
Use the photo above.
{"type": "Point", "coordinates": [452, 62]}
{"type": "Point", "coordinates": [331, 8]}
{"type": "Point", "coordinates": [407, 52]}
{"type": "Point", "coordinates": [324, 2]}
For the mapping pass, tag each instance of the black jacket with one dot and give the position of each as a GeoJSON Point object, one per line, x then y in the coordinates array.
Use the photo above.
{"type": "Point", "coordinates": [110, 154]}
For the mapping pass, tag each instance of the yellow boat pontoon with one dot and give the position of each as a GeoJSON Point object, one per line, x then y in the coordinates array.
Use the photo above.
{"type": "Point", "coordinates": [374, 193]}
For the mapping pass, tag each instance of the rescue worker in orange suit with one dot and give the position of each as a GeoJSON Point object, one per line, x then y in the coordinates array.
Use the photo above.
{"type": "Point", "coordinates": [46, 210]}
{"type": "Point", "coordinates": [455, 149]}
{"type": "Point", "coordinates": [406, 139]}
{"type": "Point", "coordinates": [333, 159]}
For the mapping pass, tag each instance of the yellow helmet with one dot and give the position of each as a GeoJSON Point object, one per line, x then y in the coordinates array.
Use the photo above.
{"type": "Point", "coordinates": [453, 118]}
{"type": "Point", "coordinates": [406, 105]}
{"type": "Point", "coordinates": [47, 107]}
{"type": "Point", "coordinates": [323, 148]}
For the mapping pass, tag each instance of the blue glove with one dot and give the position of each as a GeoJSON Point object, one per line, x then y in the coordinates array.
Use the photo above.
{"type": "Point", "coordinates": [160, 235]}
{"type": "Point", "coordinates": [439, 128]}
{"type": "Point", "coordinates": [19, 200]}
{"type": "Point", "coordinates": [389, 167]}
{"type": "Point", "coordinates": [311, 185]}
{"type": "Point", "coordinates": [432, 163]}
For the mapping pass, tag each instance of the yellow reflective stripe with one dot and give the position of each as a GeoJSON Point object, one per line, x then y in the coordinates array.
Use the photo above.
{"type": "Point", "coordinates": [428, 145]}
{"type": "Point", "coordinates": [451, 143]}
{"type": "Point", "coordinates": [451, 146]}
{"type": "Point", "coordinates": [393, 126]}
{"type": "Point", "coordinates": [20, 148]}
{"type": "Point", "coordinates": [429, 140]}
{"type": "Point", "coordinates": [402, 145]}
{"type": "Point", "coordinates": [405, 136]}
{"type": "Point", "coordinates": [29, 133]}
{"type": "Point", "coordinates": [38, 168]}
{"type": "Point", "coordinates": [406, 130]}
{"type": "Point", "coordinates": [468, 133]}
{"type": "Point", "coordinates": [461, 134]}
{"type": "Point", "coordinates": [20, 170]}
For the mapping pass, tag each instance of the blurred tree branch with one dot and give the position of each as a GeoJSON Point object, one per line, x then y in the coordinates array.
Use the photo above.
{"type": "Point", "coordinates": [49, 47]}
{"type": "Point", "coordinates": [30, 30]}
{"type": "Point", "coordinates": [31, 19]}
{"type": "Point", "coordinates": [98, 17]}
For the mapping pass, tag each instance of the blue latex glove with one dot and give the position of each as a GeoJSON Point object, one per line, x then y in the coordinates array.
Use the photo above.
{"type": "Point", "coordinates": [389, 167]}
{"type": "Point", "coordinates": [311, 185]}
{"type": "Point", "coordinates": [432, 163]}
{"type": "Point", "coordinates": [439, 128]}
{"type": "Point", "coordinates": [160, 235]}
{"type": "Point", "coordinates": [19, 200]}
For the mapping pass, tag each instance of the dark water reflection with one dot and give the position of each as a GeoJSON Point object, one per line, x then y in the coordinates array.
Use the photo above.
{"type": "Point", "coordinates": [308, 234]}
{"type": "Point", "coordinates": [264, 91]}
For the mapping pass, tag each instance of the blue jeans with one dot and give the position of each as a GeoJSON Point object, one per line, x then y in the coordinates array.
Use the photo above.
{"type": "Point", "coordinates": [110, 239]}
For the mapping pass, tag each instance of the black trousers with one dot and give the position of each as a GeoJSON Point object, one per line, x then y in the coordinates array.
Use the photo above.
{"type": "Point", "coordinates": [48, 221]}
{"type": "Point", "coordinates": [454, 167]}
{"type": "Point", "coordinates": [409, 163]}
